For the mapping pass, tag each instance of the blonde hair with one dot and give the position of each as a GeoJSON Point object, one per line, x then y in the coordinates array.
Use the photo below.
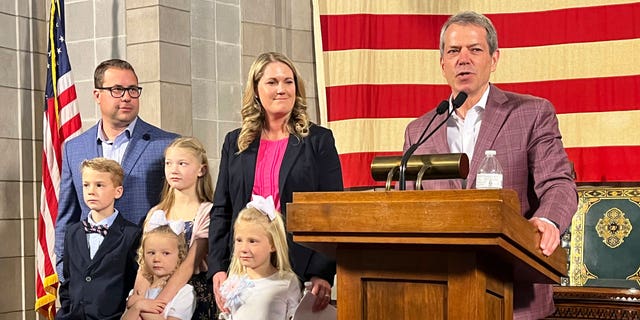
{"type": "Point", "coordinates": [275, 233]}
{"type": "Point", "coordinates": [204, 185]}
{"type": "Point", "coordinates": [105, 165]}
{"type": "Point", "coordinates": [167, 232]}
{"type": "Point", "coordinates": [252, 112]}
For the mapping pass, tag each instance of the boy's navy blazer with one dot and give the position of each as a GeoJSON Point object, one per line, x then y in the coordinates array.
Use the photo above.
{"type": "Point", "coordinates": [97, 288]}
{"type": "Point", "coordinates": [143, 165]}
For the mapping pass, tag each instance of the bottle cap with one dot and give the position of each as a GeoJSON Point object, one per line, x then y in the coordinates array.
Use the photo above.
{"type": "Point", "coordinates": [490, 153]}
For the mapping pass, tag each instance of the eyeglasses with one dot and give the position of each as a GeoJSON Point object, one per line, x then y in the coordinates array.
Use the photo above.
{"type": "Point", "coordinates": [118, 92]}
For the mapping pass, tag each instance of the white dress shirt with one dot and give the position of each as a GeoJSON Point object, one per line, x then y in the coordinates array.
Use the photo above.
{"type": "Point", "coordinates": [462, 133]}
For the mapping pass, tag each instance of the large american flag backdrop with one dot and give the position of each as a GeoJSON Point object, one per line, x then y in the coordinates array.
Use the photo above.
{"type": "Point", "coordinates": [379, 64]}
{"type": "Point", "coordinates": [61, 121]}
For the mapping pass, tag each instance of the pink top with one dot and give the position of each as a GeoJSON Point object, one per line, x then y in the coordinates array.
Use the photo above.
{"type": "Point", "coordinates": [266, 179]}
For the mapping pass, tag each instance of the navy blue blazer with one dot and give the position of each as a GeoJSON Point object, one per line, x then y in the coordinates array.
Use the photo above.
{"type": "Point", "coordinates": [143, 165]}
{"type": "Point", "coordinates": [310, 164]}
{"type": "Point", "coordinates": [98, 288]}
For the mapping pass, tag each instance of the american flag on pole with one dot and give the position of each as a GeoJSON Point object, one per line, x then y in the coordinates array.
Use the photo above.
{"type": "Point", "coordinates": [61, 121]}
{"type": "Point", "coordinates": [379, 62]}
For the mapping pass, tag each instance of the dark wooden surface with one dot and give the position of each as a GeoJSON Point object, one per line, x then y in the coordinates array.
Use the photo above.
{"type": "Point", "coordinates": [596, 303]}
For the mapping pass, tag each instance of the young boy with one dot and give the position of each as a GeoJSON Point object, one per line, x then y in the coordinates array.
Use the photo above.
{"type": "Point", "coordinates": [100, 251]}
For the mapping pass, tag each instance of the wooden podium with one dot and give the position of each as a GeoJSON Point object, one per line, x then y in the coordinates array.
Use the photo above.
{"type": "Point", "coordinates": [423, 254]}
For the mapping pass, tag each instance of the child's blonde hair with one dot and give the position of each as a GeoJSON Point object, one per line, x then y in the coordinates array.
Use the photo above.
{"type": "Point", "coordinates": [204, 186]}
{"type": "Point", "coordinates": [167, 232]}
{"type": "Point", "coordinates": [277, 237]}
{"type": "Point", "coordinates": [105, 165]}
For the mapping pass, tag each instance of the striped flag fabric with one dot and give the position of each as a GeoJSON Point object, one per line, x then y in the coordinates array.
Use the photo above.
{"type": "Point", "coordinates": [61, 121]}
{"type": "Point", "coordinates": [379, 66]}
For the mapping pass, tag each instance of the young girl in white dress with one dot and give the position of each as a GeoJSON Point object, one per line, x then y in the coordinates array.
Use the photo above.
{"type": "Point", "coordinates": [187, 196]}
{"type": "Point", "coordinates": [162, 251]}
{"type": "Point", "coordinates": [261, 284]}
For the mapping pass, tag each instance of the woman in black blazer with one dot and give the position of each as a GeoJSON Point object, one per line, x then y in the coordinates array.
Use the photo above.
{"type": "Point", "coordinates": [301, 156]}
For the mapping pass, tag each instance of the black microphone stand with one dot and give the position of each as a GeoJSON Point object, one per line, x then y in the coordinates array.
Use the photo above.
{"type": "Point", "coordinates": [442, 107]}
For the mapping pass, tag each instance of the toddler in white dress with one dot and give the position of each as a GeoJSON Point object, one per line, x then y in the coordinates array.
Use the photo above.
{"type": "Point", "coordinates": [162, 250]}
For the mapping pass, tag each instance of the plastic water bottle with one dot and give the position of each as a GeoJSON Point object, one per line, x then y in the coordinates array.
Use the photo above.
{"type": "Point", "coordinates": [490, 172]}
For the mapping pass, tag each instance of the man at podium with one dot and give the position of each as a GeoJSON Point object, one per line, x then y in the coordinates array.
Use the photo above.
{"type": "Point", "coordinates": [523, 130]}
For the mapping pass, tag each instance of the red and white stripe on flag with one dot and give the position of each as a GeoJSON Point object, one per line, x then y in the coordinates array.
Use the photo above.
{"type": "Point", "coordinates": [61, 121]}
{"type": "Point", "coordinates": [381, 70]}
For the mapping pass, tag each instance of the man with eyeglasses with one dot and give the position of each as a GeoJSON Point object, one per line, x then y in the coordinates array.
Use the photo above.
{"type": "Point", "coordinates": [119, 135]}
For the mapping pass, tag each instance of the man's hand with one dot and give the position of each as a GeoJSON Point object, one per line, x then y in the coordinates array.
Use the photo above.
{"type": "Point", "coordinates": [218, 279]}
{"type": "Point", "coordinates": [549, 235]}
{"type": "Point", "coordinates": [322, 290]}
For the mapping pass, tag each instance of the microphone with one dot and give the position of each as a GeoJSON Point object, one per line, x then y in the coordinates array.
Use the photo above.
{"type": "Point", "coordinates": [442, 107]}
{"type": "Point", "coordinates": [459, 101]}
{"type": "Point", "coordinates": [146, 137]}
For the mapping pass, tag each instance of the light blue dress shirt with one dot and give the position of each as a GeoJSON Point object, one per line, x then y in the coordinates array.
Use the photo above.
{"type": "Point", "coordinates": [94, 240]}
{"type": "Point", "coordinates": [115, 149]}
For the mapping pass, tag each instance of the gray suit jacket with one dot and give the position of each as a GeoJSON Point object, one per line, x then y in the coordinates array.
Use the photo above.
{"type": "Point", "coordinates": [523, 129]}
{"type": "Point", "coordinates": [143, 165]}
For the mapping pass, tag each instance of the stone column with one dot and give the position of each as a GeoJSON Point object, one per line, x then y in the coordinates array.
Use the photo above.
{"type": "Point", "coordinates": [159, 48]}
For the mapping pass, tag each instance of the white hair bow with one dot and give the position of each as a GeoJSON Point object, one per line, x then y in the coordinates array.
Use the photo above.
{"type": "Point", "coordinates": [159, 218]}
{"type": "Point", "coordinates": [266, 206]}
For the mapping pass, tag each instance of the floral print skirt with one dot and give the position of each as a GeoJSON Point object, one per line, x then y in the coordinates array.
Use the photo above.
{"type": "Point", "coordinates": [205, 301]}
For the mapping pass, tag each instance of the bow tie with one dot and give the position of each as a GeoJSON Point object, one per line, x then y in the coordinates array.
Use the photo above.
{"type": "Point", "coordinates": [99, 229]}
